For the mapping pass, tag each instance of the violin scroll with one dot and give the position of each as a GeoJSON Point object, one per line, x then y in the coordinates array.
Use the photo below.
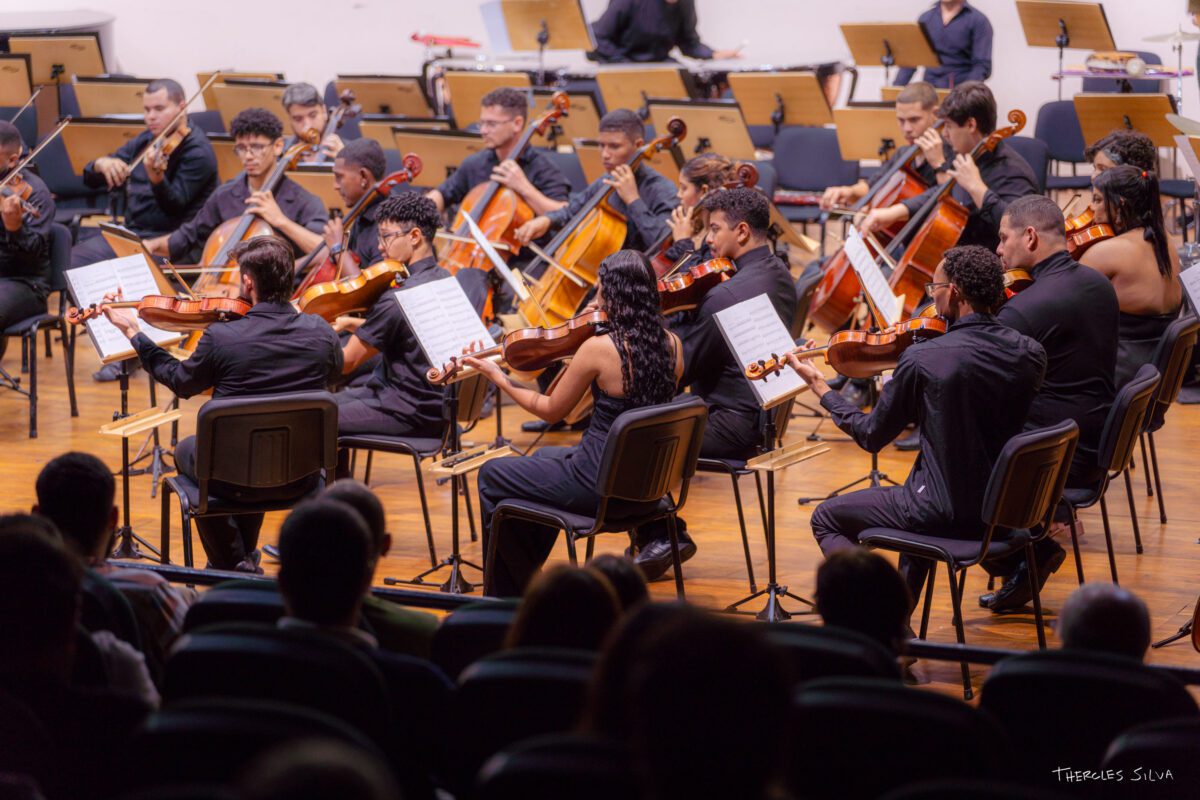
{"type": "Point", "coordinates": [560, 104]}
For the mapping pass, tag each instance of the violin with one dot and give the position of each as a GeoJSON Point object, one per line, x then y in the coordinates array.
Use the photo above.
{"type": "Point", "coordinates": [360, 292]}
{"type": "Point", "coordinates": [21, 188]}
{"type": "Point", "coordinates": [683, 291]}
{"type": "Point", "coordinates": [160, 148]}
{"type": "Point", "coordinates": [745, 176]}
{"type": "Point", "coordinates": [178, 314]}
{"type": "Point", "coordinates": [858, 354]}
{"type": "Point", "coordinates": [347, 108]}
{"type": "Point", "coordinates": [1083, 231]}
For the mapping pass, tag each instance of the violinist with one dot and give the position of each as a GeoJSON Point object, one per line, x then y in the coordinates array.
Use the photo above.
{"type": "Point", "coordinates": [358, 166]}
{"type": "Point", "coordinates": [689, 227]}
{"type": "Point", "coordinates": [968, 391]}
{"type": "Point", "coordinates": [1072, 312]}
{"type": "Point", "coordinates": [636, 363]}
{"type": "Point", "coordinates": [24, 241]}
{"type": "Point", "coordinates": [306, 111]}
{"type": "Point", "coordinates": [157, 201]}
{"type": "Point", "coordinates": [647, 30]}
{"type": "Point", "coordinates": [739, 222]}
{"type": "Point", "coordinates": [985, 187]}
{"type": "Point", "coordinates": [1123, 147]}
{"type": "Point", "coordinates": [1138, 260]}
{"type": "Point", "coordinates": [272, 350]}
{"type": "Point", "coordinates": [294, 212]}
{"type": "Point", "coordinates": [962, 38]}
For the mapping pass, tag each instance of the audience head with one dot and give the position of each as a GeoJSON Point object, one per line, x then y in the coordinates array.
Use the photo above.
{"type": "Point", "coordinates": [325, 562]}
{"type": "Point", "coordinates": [75, 491]}
{"type": "Point", "coordinates": [626, 579]}
{"type": "Point", "coordinates": [1106, 618]}
{"type": "Point", "coordinates": [970, 114]}
{"type": "Point", "coordinates": [916, 109]}
{"type": "Point", "coordinates": [1123, 147]}
{"type": "Point", "coordinates": [317, 769]}
{"type": "Point", "coordinates": [621, 134]}
{"type": "Point", "coordinates": [969, 275]}
{"type": "Point", "coordinates": [162, 100]}
{"type": "Point", "coordinates": [1127, 198]}
{"type": "Point", "coordinates": [358, 496]}
{"type": "Point", "coordinates": [267, 266]}
{"type": "Point", "coordinates": [739, 220]}
{"type": "Point", "coordinates": [862, 591]}
{"type": "Point", "coordinates": [408, 222]}
{"type": "Point", "coordinates": [566, 607]}
{"type": "Point", "coordinates": [1031, 230]}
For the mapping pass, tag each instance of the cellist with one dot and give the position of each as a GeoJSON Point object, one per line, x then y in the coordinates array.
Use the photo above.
{"type": "Point", "coordinates": [24, 240]}
{"type": "Point", "coordinates": [359, 165]}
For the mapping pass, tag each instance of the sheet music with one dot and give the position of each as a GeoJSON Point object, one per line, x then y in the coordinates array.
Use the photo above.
{"type": "Point", "coordinates": [1190, 278]}
{"type": "Point", "coordinates": [443, 319]}
{"type": "Point", "coordinates": [890, 305]}
{"type": "Point", "coordinates": [133, 278]}
{"type": "Point", "coordinates": [753, 331]}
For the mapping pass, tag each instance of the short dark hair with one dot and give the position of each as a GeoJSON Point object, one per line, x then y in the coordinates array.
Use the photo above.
{"type": "Point", "coordinates": [622, 120]}
{"type": "Point", "coordinates": [566, 606]}
{"type": "Point", "coordinates": [971, 100]}
{"type": "Point", "coordinates": [1124, 146]}
{"type": "Point", "coordinates": [862, 591]}
{"type": "Point", "coordinates": [41, 580]}
{"type": "Point", "coordinates": [270, 262]}
{"type": "Point", "coordinates": [10, 136]}
{"type": "Point", "coordinates": [919, 92]}
{"type": "Point", "coordinates": [741, 205]}
{"type": "Point", "coordinates": [174, 90]}
{"type": "Point", "coordinates": [411, 210]}
{"type": "Point", "coordinates": [514, 101]}
{"type": "Point", "coordinates": [325, 560]}
{"type": "Point", "coordinates": [256, 122]}
{"type": "Point", "coordinates": [300, 94]}
{"type": "Point", "coordinates": [1038, 212]}
{"type": "Point", "coordinates": [358, 496]}
{"type": "Point", "coordinates": [75, 491]}
{"type": "Point", "coordinates": [1107, 618]}
{"type": "Point", "coordinates": [365, 153]}
{"type": "Point", "coordinates": [978, 274]}
{"type": "Point", "coordinates": [626, 578]}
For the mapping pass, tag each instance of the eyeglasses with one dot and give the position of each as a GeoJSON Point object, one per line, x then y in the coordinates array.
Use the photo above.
{"type": "Point", "coordinates": [488, 124]}
{"type": "Point", "coordinates": [243, 150]}
{"type": "Point", "coordinates": [386, 238]}
{"type": "Point", "coordinates": [929, 287]}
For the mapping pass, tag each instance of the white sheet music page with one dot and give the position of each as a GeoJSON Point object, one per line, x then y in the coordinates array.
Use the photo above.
{"type": "Point", "coordinates": [443, 319]}
{"type": "Point", "coordinates": [890, 305]}
{"type": "Point", "coordinates": [1190, 278]}
{"type": "Point", "coordinates": [131, 276]}
{"type": "Point", "coordinates": [753, 331]}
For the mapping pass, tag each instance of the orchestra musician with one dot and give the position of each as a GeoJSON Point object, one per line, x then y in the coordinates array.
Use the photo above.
{"type": "Point", "coordinates": [647, 30]}
{"type": "Point", "coordinates": [1072, 311]}
{"type": "Point", "coordinates": [156, 202]}
{"type": "Point", "coordinates": [739, 221]}
{"type": "Point", "coordinates": [1123, 146]}
{"type": "Point", "coordinates": [294, 212]}
{"type": "Point", "coordinates": [24, 241]}
{"type": "Point", "coordinates": [1139, 261]}
{"type": "Point", "coordinates": [306, 111]}
{"type": "Point", "coordinates": [636, 363]}
{"type": "Point", "coordinates": [962, 38]}
{"type": "Point", "coordinates": [969, 392]}
{"type": "Point", "coordinates": [272, 350]}
{"type": "Point", "coordinates": [702, 174]}
{"type": "Point", "coordinates": [359, 165]}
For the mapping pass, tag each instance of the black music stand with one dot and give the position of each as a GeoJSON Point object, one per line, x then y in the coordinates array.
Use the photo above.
{"type": "Point", "coordinates": [890, 44]}
{"type": "Point", "coordinates": [1065, 24]}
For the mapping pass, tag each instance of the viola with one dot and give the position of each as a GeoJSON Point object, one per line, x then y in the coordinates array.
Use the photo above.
{"type": "Point", "coordinates": [179, 314]}
{"type": "Point", "coordinates": [360, 292]}
{"type": "Point", "coordinates": [683, 291]}
{"type": "Point", "coordinates": [858, 354]}
{"type": "Point", "coordinates": [745, 176]}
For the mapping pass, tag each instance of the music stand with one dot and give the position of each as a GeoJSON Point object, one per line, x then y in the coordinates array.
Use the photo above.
{"type": "Point", "coordinates": [468, 88]}
{"type": "Point", "coordinates": [16, 79]}
{"type": "Point", "coordinates": [235, 96]}
{"type": "Point", "coordinates": [89, 138]}
{"type": "Point", "coordinates": [54, 56]}
{"type": "Point", "coordinates": [780, 98]}
{"type": "Point", "coordinates": [891, 44]}
{"type": "Point", "coordinates": [379, 126]}
{"type": "Point", "coordinates": [866, 133]}
{"type": "Point", "coordinates": [889, 93]}
{"type": "Point", "coordinates": [581, 122]}
{"type": "Point", "coordinates": [1100, 114]}
{"type": "Point", "coordinates": [543, 25]}
{"type": "Point", "coordinates": [441, 151]}
{"type": "Point", "coordinates": [402, 95]}
{"type": "Point", "coordinates": [666, 163]}
{"type": "Point", "coordinates": [1051, 23]}
{"type": "Point", "coordinates": [103, 94]}
{"type": "Point", "coordinates": [318, 179]}
{"type": "Point", "coordinates": [210, 97]}
{"type": "Point", "coordinates": [625, 87]}
{"type": "Point", "coordinates": [712, 126]}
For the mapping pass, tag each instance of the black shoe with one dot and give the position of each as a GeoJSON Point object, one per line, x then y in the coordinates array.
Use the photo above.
{"type": "Point", "coordinates": [250, 563]}
{"type": "Point", "coordinates": [1017, 591]}
{"type": "Point", "coordinates": [910, 442]}
{"type": "Point", "coordinates": [985, 600]}
{"type": "Point", "coordinates": [111, 372]}
{"type": "Point", "coordinates": [655, 558]}
{"type": "Point", "coordinates": [271, 550]}
{"type": "Point", "coordinates": [541, 426]}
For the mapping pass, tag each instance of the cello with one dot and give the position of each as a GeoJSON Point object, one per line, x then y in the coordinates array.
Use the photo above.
{"type": "Point", "coordinates": [593, 234]}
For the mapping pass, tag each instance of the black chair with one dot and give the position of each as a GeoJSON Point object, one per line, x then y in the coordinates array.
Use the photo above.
{"type": "Point", "coordinates": [1114, 85]}
{"type": "Point", "coordinates": [562, 765]}
{"type": "Point", "coordinates": [568, 164]}
{"type": "Point", "coordinates": [1026, 483]}
{"type": "Point", "coordinates": [860, 737]}
{"type": "Point", "coordinates": [226, 605]}
{"type": "Point", "coordinates": [828, 651]}
{"type": "Point", "coordinates": [207, 121]}
{"type": "Point", "coordinates": [1172, 358]}
{"type": "Point", "coordinates": [27, 330]}
{"type": "Point", "coordinates": [1125, 421]}
{"type": "Point", "coordinates": [649, 452]}
{"type": "Point", "coordinates": [103, 607]}
{"type": "Point", "coordinates": [768, 178]}
{"type": "Point", "coordinates": [806, 287]}
{"type": "Point", "coordinates": [72, 197]}
{"type": "Point", "coordinates": [1036, 153]}
{"type": "Point", "coordinates": [1058, 126]}
{"type": "Point", "coordinates": [1146, 753]}
{"type": "Point", "coordinates": [272, 451]}
{"type": "Point", "coordinates": [809, 160]}
{"type": "Point", "coordinates": [470, 633]}
{"type": "Point", "coordinates": [26, 124]}
{"type": "Point", "coordinates": [1063, 707]}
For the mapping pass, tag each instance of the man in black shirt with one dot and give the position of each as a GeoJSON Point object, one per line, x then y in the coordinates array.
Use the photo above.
{"type": "Point", "coordinates": [646, 30]}
{"type": "Point", "coordinates": [272, 350]}
{"type": "Point", "coordinates": [969, 390]}
{"type": "Point", "coordinates": [24, 240]}
{"type": "Point", "coordinates": [358, 167]}
{"type": "Point", "coordinates": [738, 224]}
{"type": "Point", "coordinates": [306, 111]}
{"type": "Point", "coordinates": [1072, 311]}
{"type": "Point", "coordinates": [962, 38]}
{"type": "Point", "coordinates": [293, 211]}
{"type": "Point", "coordinates": [156, 202]}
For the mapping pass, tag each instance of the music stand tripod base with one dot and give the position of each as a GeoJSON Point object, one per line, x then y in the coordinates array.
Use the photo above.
{"type": "Point", "coordinates": [874, 478]}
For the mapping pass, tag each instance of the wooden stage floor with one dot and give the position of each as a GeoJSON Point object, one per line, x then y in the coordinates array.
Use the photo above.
{"type": "Point", "coordinates": [1166, 575]}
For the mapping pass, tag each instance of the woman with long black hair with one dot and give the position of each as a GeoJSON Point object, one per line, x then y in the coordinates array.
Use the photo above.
{"type": "Point", "coordinates": [635, 362]}
{"type": "Point", "coordinates": [1138, 260]}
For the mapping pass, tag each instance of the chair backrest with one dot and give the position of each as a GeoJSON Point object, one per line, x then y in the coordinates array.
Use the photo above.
{"type": "Point", "coordinates": [26, 124]}
{"type": "Point", "coordinates": [1028, 478]}
{"type": "Point", "coordinates": [828, 651]}
{"type": "Point", "coordinates": [1172, 357]}
{"type": "Point", "coordinates": [1144, 86]}
{"type": "Point", "coordinates": [810, 159]}
{"type": "Point", "coordinates": [470, 633]}
{"type": "Point", "coordinates": [768, 177]}
{"type": "Point", "coordinates": [651, 450]}
{"type": "Point", "coordinates": [1036, 153]}
{"type": "Point", "coordinates": [568, 164]}
{"type": "Point", "coordinates": [806, 287]}
{"type": "Point", "coordinates": [1156, 748]}
{"type": "Point", "coordinates": [60, 256]}
{"type": "Point", "coordinates": [563, 765]}
{"type": "Point", "coordinates": [1126, 418]}
{"type": "Point", "coordinates": [227, 605]}
{"type": "Point", "coordinates": [207, 121]}
{"type": "Point", "coordinates": [1058, 126]}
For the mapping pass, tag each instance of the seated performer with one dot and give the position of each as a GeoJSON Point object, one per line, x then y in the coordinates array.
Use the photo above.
{"type": "Point", "coordinates": [306, 111]}
{"type": "Point", "coordinates": [1073, 313]}
{"type": "Point", "coordinates": [986, 186]}
{"type": "Point", "coordinates": [272, 350]}
{"type": "Point", "coordinates": [157, 201]}
{"type": "Point", "coordinates": [969, 391]}
{"type": "Point", "coordinates": [705, 173]}
{"type": "Point", "coordinates": [637, 363]}
{"type": "Point", "coordinates": [647, 30]}
{"type": "Point", "coordinates": [293, 211]}
{"type": "Point", "coordinates": [25, 241]}
{"type": "Point", "coordinates": [358, 167]}
{"type": "Point", "coordinates": [1123, 147]}
{"type": "Point", "coordinates": [738, 223]}
{"type": "Point", "coordinates": [962, 38]}
{"type": "Point", "coordinates": [1139, 261]}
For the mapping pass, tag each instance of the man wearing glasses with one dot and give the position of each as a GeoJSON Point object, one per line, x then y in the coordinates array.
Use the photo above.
{"type": "Point", "coordinates": [295, 213]}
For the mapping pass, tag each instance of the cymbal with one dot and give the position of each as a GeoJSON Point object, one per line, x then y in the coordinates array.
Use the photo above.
{"type": "Point", "coordinates": [1175, 37]}
{"type": "Point", "coordinates": [1188, 127]}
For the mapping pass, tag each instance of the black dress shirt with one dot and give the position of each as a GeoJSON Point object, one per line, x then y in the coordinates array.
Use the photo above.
{"type": "Point", "coordinates": [363, 239]}
{"type": "Point", "coordinates": [272, 350]}
{"type": "Point", "coordinates": [1007, 176]}
{"type": "Point", "coordinates": [969, 390]}
{"type": "Point", "coordinates": [646, 217]}
{"type": "Point", "coordinates": [646, 30]}
{"type": "Point", "coordinates": [477, 168]}
{"type": "Point", "coordinates": [25, 254]}
{"type": "Point", "coordinates": [154, 209]}
{"type": "Point", "coordinates": [229, 201]}
{"type": "Point", "coordinates": [399, 383]}
{"type": "Point", "coordinates": [964, 46]}
{"type": "Point", "coordinates": [1072, 311]}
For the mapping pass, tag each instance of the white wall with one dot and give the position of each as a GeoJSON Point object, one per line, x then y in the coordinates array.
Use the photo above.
{"type": "Point", "coordinates": [312, 40]}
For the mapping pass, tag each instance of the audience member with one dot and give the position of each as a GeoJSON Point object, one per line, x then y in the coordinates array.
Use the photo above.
{"type": "Point", "coordinates": [626, 578]}
{"type": "Point", "coordinates": [1105, 618]}
{"type": "Point", "coordinates": [566, 606]}
{"type": "Point", "coordinates": [862, 591]}
{"type": "Point", "coordinates": [317, 769]}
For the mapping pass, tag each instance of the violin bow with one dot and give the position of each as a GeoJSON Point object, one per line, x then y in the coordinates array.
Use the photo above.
{"type": "Point", "coordinates": [33, 153]}
{"type": "Point", "coordinates": [27, 104]}
{"type": "Point", "coordinates": [549, 259]}
{"type": "Point", "coordinates": [174, 123]}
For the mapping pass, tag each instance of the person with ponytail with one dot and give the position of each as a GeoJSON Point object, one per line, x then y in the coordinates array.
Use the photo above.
{"type": "Point", "coordinates": [1138, 260]}
{"type": "Point", "coordinates": [634, 362]}
{"type": "Point", "coordinates": [705, 173]}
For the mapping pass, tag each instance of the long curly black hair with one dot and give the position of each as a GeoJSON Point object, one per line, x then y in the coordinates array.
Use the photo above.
{"type": "Point", "coordinates": [1131, 196]}
{"type": "Point", "coordinates": [636, 325]}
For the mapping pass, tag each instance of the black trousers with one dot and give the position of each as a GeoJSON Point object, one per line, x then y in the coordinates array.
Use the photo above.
{"type": "Point", "coordinates": [90, 250]}
{"type": "Point", "coordinates": [226, 540]}
{"type": "Point", "coordinates": [359, 413]}
{"type": "Point", "coordinates": [18, 301]}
